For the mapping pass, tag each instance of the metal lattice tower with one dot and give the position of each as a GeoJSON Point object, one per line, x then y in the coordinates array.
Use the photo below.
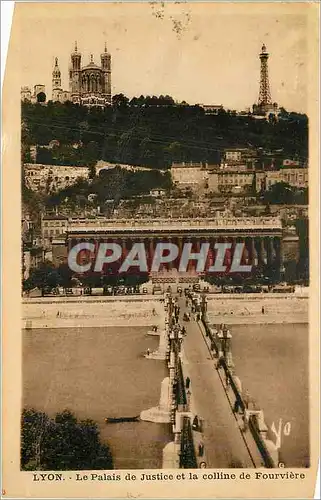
{"type": "Point", "coordinates": [264, 95]}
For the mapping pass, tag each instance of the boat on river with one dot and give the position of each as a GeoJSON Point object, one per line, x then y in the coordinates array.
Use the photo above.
{"type": "Point", "coordinates": [117, 420]}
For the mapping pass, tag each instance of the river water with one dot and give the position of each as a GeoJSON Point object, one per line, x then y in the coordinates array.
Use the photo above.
{"type": "Point", "coordinates": [272, 363]}
{"type": "Point", "coordinates": [99, 372]}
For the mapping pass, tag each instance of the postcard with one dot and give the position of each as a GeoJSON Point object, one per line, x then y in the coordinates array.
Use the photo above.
{"type": "Point", "coordinates": [160, 250]}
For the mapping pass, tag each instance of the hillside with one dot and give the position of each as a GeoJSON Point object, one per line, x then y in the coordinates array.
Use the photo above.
{"type": "Point", "coordinates": [153, 133]}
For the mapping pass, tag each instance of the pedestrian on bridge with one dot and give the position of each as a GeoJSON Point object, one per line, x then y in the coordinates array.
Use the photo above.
{"type": "Point", "coordinates": [187, 382]}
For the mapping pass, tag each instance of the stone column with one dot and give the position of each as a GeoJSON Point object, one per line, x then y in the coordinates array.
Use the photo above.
{"type": "Point", "coordinates": [269, 250]}
{"type": "Point", "coordinates": [156, 240]}
{"type": "Point", "coordinates": [251, 250]}
{"type": "Point", "coordinates": [151, 249]}
{"type": "Point", "coordinates": [202, 240]}
{"type": "Point", "coordinates": [169, 265]}
{"type": "Point", "coordinates": [278, 245]}
{"type": "Point", "coordinates": [94, 254]}
{"type": "Point", "coordinates": [179, 242]}
{"type": "Point", "coordinates": [262, 251]}
{"type": "Point", "coordinates": [246, 255]}
{"type": "Point", "coordinates": [196, 248]}
{"type": "Point", "coordinates": [189, 264]}
{"type": "Point", "coordinates": [259, 251]}
{"type": "Point", "coordinates": [254, 254]}
{"type": "Point", "coordinates": [230, 252]}
{"type": "Point", "coordinates": [124, 247]}
{"type": "Point", "coordinates": [211, 252]}
{"type": "Point", "coordinates": [124, 252]}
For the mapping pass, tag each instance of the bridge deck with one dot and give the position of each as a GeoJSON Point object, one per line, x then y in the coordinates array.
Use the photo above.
{"type": "Point", "coordinates": [224, 445]}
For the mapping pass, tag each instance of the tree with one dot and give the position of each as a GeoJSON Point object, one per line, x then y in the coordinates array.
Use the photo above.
{"type": "Point", "coordinates": [92, 172]}
{"type": "Point", "coordinates": [65, 274]}
{"type": "Point", "coordinates": [174, 131]}
{"type": "Point", "coordinates": [43, 277]}
{"type": "Point", "coordinates": [133, 279]}
{"type": "Point", "coordinates": [61, 443]}
{"type": "Point", "coordinates": [41, 97]}
{"type": "Point", "coordinates": [120, 100]}
{"type": "Point", "coordinates": [302, 228]}
{"type": "Point", "coordinates": [44, 156]}
{"type": "Point", "coordinates": [280, 193]}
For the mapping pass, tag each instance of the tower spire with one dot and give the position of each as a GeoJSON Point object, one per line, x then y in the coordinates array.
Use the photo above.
{"type": "Point", "coordinates": [56, 76]}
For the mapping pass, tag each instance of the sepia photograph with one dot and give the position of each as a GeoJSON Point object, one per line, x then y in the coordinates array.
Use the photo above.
{"type": "Point", "coordinates": [164, 176]}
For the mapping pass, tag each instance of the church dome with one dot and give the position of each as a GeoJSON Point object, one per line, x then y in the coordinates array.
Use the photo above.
{"type": "Point", "coordinates": [91, 65]}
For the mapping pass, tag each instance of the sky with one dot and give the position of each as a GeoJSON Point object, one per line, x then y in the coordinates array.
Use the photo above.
{"type": "Point", "coordinates": [198, 52]}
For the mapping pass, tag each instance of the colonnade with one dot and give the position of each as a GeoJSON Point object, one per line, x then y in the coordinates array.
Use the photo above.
{"type": "Point", "coordinates": [258, 250]}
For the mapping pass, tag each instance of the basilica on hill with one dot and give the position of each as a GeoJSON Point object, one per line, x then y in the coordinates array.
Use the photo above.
{"type": "Point", "coordinates": [89, 85]}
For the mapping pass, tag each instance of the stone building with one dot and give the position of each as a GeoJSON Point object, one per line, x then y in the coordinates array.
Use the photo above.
{"type": "Point", "coordinates": [38, 94]}
{"type": "Point", "coordinates": [189, 175]}
{"type": "Point", "coordinates": [212, 109]}
{"type": "Point", "coordinates": [230, 181]}
{"type": "Point", "coordinates": [295, 177]}
{"type": "Point", "coordinates": [50, 178]}
{"type": "Point", "coordinates": [53, 227]}
{"type": "Point", "coordinates": [90, 85]}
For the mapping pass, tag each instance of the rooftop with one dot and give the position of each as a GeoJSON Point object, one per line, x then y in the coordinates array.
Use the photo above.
{"type": "Point", "coordinates": [111, 225]}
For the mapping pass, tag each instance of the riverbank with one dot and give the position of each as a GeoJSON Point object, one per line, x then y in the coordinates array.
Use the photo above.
{"type": "Point", "coordinates": [257, 309]}
{"type": "Point", "coordinates": [92, 312]}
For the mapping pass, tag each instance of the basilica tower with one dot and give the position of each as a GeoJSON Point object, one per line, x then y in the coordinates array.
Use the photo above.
{"type": "Point", "coordinates": [105, 58]}
{"type": "Point", "coordinates": [74, 72]}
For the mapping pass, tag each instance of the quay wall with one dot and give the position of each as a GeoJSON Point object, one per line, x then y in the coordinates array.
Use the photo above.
{"type": "Point", "coordinates": [65, 312]}
{"type": "Point", "coordinates": [263, 308]}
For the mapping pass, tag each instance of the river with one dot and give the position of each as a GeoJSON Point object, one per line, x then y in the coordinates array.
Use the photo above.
{"type": "Point", "coordinates": [99, 372]}
{"type": "Point", "coordinates": [272, 363]}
